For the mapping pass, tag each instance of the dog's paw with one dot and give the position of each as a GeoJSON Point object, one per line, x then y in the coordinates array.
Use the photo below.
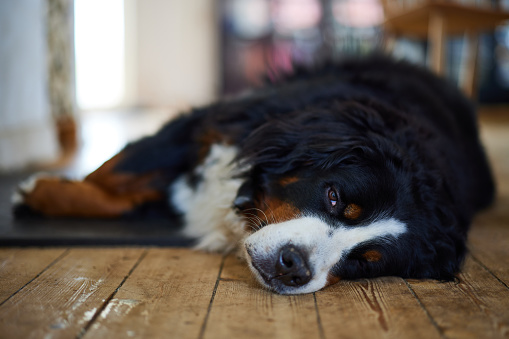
{"type": "Point", "coordinates": [19, 199]}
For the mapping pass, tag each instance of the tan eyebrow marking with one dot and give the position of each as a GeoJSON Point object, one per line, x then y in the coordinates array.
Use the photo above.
{"type": "Point", "coordinates": [287, 181]}
{"type": "Point", "coordinates": [352, 211]}
{"type": "Point", "coordinates": [372, 256]}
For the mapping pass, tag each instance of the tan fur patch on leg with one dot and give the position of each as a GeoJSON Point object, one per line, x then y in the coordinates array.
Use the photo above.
{"type": "Point", "coordinates": [63, 198]}
{"type": "Point", "coordinates": [105, 193]}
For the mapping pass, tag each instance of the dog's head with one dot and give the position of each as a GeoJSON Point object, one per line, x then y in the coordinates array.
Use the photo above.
{"type": "Point", "coordinates": [344, 192]}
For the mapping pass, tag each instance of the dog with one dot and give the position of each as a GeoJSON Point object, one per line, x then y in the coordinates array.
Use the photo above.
{"type": "Point", "coordinates": [355, 169]}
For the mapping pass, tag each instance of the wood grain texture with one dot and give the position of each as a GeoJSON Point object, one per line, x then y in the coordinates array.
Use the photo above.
{"type": "Point", "coordinates": [475, 307]}
{"type": "Point", "coordinates": [373, 308]}
{"type": "Point", "coordinates": [65, 297]}
{"type": "Point", "coordinates": [166, 296]}
{"type": "Point", "coordinates": [243, 309]}
{"type": "Point", "coordinates": [235, 269]}
{"type": "Point", "coordinates": [19, 266]}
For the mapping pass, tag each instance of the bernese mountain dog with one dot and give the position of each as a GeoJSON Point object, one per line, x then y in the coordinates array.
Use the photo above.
{"type": "Point", "coordinates": [355, 169]}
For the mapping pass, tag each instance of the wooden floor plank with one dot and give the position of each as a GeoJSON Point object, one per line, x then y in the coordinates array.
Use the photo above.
{"type": "Point", "coordinates": [166, 296]}
{"type": "Point", "coordinates": [243, 309]}
{"type": "Point", "coordinates": [489, 243]}
{"type": "Point", "coordinates": [19, 266]}
{"type": "Point", "coordinates": [489, 236]}
{"type": "Point", "coordinates": [475, 307]}
{"type": "Point", "coordinates": [61, 301]}
{"type": "Point", "coordinates": [235, 269]}
{"type": "Point", "coordinates": [373, 308]}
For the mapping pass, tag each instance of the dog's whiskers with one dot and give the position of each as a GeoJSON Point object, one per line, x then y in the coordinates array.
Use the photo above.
{"type": "Point", "coordinates": [266, 221]}
{"type": "Point", "coordinates": [252, 222]}
{"type": "Point", "coordinates": [272, 214]}
{"type": "Point", "coordinates": [254, 215]}
{"type": "Point", "coordinates": [256, 221]}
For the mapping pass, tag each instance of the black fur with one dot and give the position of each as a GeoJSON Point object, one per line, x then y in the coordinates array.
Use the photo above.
{"type": "Point", "coordinates": [390, 136]}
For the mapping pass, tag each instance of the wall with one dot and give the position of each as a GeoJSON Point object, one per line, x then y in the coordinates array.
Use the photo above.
{"type": "Point", "coordinates": [26, 128]}
{"type": "Point", "coordinates": [176, 52]}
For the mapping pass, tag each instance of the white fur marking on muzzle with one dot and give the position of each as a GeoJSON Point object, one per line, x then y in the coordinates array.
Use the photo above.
{"type": "Point", "coordinates": [325, 245]}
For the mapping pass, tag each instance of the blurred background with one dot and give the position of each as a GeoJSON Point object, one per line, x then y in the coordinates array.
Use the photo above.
{"type": "Point", "coordinates": [80, 78]}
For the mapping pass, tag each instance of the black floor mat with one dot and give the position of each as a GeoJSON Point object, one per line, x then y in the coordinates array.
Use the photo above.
{"type": "Point", "coordinates": [69, 232]}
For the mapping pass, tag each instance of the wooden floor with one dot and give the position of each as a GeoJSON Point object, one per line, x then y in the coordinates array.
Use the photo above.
{"type": "Point", "coordinates": [164, 292]}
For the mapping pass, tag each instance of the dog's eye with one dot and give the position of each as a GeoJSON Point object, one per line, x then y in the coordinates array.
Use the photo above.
{"type": "Point", "coordinates": [333, 196]}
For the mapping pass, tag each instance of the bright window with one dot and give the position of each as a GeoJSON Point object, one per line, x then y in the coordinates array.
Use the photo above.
{"type": "Point", "coordinates": [99, 41]}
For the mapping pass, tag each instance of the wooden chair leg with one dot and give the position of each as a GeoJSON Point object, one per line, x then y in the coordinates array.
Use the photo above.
{"type": "Point", "coordinates": [468, 75]}
{"type": "Point", "coordinates": [436, 38]}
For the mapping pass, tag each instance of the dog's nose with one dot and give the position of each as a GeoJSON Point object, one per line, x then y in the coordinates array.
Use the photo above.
{"type": "Point", "coordinates": [292, 268]}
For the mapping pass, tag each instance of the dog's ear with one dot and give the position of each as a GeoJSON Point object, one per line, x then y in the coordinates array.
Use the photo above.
{"type": "Point", "coordinates": [303, 139]}
{"type": "Point", "coordinates": [322, 137]}
{"type": "Point", "coordinates": [273, 148]}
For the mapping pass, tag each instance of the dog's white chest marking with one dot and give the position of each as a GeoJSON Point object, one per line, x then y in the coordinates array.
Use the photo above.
{"type": "Point", "coordinates": [207, 208]}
